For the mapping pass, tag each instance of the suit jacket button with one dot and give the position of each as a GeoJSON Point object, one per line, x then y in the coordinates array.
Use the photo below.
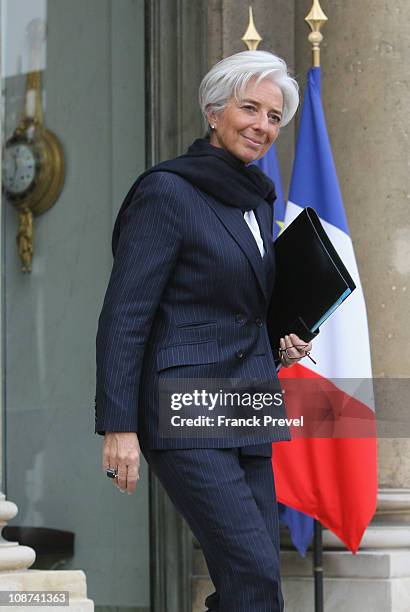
{"type": "Point", "coordinates": [240, 354]}
{"type": "Point", "coordinates": [258, 321]}
{"type": "Point", "coordinates": [240, 319]}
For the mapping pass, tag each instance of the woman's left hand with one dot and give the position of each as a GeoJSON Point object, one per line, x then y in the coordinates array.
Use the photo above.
{"type": "Point", "coordinates": [293, 349]}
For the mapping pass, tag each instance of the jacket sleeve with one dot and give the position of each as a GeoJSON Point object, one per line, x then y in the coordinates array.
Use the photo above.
{"type": "Point", "coordinates": [146, 253]}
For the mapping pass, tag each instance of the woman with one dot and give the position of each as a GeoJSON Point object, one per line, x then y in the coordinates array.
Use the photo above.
{"type": "Point", "coordinates": [188, 295]}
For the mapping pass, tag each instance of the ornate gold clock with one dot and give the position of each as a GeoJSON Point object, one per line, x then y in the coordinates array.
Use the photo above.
{"type": "Point", "coordinates": [33, 164]}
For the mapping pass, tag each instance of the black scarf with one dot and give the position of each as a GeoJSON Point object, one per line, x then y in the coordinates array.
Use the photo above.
{"type": "Point", "coordinates": [218, 173]}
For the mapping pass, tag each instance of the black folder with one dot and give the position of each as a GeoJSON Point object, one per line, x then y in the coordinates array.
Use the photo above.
{"type": "Point", "coordinates": [311, 280]}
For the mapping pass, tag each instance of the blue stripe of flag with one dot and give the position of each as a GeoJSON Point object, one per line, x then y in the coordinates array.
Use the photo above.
{"type": "Point", "coordinates": [300, 527]}
{"type": "Point", "coordinates": [314, 181]}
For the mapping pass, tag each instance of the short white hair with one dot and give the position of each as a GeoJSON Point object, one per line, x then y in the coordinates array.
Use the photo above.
{"type": "Point", "coordinates": [229, 78]}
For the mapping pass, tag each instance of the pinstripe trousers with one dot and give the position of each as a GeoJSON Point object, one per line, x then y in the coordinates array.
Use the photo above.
{"type": "Point", "coordinates": [228, 500]}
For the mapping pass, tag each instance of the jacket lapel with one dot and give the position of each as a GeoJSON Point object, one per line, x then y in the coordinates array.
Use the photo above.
{"type": "Point", "coordinates": [233, 220]}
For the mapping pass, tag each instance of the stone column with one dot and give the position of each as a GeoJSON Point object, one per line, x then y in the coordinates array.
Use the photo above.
{"type": "Point", "coordinates": [366, 93]}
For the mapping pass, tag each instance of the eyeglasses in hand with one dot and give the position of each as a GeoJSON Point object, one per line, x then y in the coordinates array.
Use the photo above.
{"type": "Point", "coordinates": [299, 347]}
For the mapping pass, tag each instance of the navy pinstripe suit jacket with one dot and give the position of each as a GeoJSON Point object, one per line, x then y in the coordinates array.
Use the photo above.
{"type": "Point", "coordinates": [187, 297]}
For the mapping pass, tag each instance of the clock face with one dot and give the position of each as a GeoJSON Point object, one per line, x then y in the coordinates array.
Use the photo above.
{"type": "Point", "coordinates": [19, 168]}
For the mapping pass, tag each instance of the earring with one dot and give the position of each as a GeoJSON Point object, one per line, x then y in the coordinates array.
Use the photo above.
{"type": "Point", "coordinates": [212, 127]}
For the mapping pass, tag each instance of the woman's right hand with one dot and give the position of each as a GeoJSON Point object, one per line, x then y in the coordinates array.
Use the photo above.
{"type": "Point", "coordinates": [121, 451]}
{"type": "Point", "coordinates": [293, 349]}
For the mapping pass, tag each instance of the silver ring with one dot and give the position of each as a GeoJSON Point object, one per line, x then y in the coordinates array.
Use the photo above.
{"type": "Point", "coordinates": [112, 473]}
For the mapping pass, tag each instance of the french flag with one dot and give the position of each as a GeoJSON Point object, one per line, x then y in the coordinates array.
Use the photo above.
{"type": "Point", "coordinates": [332, 477]}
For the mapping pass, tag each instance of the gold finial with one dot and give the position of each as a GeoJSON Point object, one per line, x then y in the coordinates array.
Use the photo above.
{"type": "Point", "coordinates": [251, 38]}
{"type": "Point", "coordinates": [316, 20]}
